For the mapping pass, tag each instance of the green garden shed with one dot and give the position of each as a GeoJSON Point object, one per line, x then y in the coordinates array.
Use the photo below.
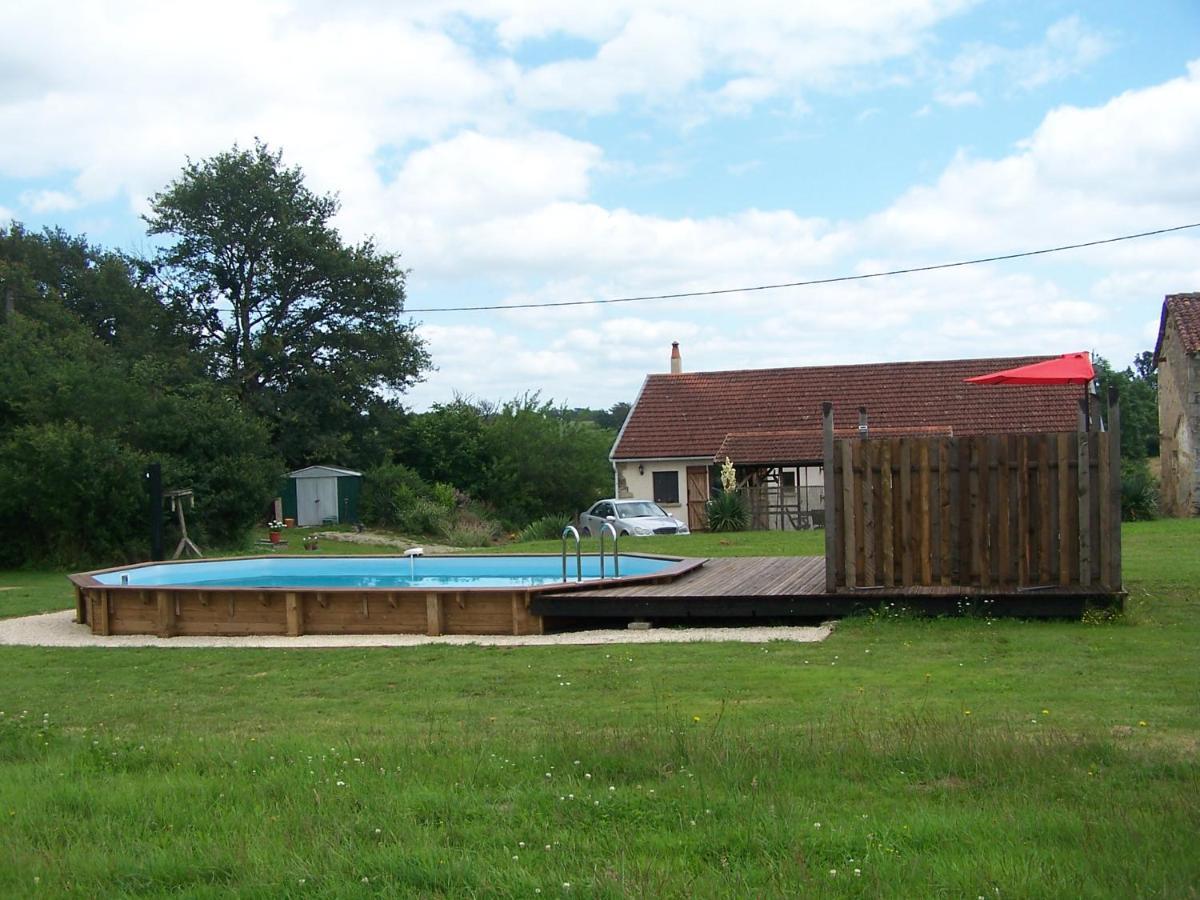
{"type": "Point", "coordinates": [322, 495]}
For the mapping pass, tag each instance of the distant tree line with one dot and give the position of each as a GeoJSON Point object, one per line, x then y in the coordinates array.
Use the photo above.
{"type": "Point", "coordinates": [255, 340]}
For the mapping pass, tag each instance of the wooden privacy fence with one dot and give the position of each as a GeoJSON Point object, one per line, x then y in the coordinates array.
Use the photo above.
{"type": "Point", "coordinates": [994, 511]}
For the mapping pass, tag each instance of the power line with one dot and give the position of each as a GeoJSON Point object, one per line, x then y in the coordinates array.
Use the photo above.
{"type": "Point", "coordinates": [789, 284]}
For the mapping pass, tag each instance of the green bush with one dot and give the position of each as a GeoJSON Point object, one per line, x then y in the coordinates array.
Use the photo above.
{"type": "Point", "coordinates": [388, 491]}
{"type": "Point", "coordinates": [546, 528]}
{"type": "Point", "coordinates": [471, 530]}
{"type": "Point", "coordinates": [70, 497]}
{"type": "Point", "coordinates": [1139, 491]}
{"type": "Point", "coordinates": [727, 511]}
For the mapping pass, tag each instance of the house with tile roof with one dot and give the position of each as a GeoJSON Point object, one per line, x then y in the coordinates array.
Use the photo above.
{"type": "Point", "coordinates": [1177, 358]}
{"type": "Point", "coordinates": [768, 423]}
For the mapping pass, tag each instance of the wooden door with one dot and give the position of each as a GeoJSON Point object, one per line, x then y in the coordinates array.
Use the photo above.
{"type": "Point", "coordinates": [697, 496]}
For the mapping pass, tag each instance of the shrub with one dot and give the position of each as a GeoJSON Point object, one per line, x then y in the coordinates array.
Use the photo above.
{"type": "Point", "coordinates": [70, 497]}
{"type": "Point", "coordinates": [1139, 491]}
{"type": "Point", "coordinates": [389, 492]}
{"type": "Point", "coordinates": [727, 511]}
{"type": "Point", "coordinates": [469, 530]}
{"type": "Point", "coordinates": [418, 515]}
{"type": "Point", "coordinates": [546, 528]}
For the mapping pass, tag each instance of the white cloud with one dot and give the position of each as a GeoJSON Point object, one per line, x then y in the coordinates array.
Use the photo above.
{"type": "Point", "coordinates": [955, 99]}
{"type": "Point", "coordinates": [48, 201]}
{"type": "Point", "coordinates": [1067, 48]}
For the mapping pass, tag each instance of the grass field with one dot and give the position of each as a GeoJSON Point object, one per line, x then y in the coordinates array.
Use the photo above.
{"type": "Point", "coordinates": [900, 758]}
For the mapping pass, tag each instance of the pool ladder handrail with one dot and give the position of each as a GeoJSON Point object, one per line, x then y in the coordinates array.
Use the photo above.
{"type": "Point", "coordinates": [571, 530]}
{"type": "Point", "coordinates": [608, 526]}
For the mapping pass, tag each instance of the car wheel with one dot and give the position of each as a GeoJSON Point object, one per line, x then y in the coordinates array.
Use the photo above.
{"type": "Point", "coordinates": [587, 532]}
{"type": "Point", "coordinates": [624, 533]}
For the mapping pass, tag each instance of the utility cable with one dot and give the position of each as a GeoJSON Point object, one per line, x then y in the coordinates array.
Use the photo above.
{"type": "Point", "coordinates": [790, 284]}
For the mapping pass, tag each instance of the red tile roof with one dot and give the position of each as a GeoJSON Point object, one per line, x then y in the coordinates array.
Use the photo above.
{"type": "Point", "coordinates": [1185, 310]}
{"type": "Point", "coordinates": [774, 415]}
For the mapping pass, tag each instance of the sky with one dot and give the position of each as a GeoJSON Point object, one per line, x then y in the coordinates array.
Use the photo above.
{"type": "Point", "coordinates": [533, 151]}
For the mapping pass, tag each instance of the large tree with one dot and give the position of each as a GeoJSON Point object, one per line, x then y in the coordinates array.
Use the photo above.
{"type": "Point", "coordinates": [284, 307]}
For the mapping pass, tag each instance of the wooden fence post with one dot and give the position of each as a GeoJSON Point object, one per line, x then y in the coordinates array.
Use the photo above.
{"type": "Point", "coordinates": [831, 522]}
{"type": "Point", "coordinates": [1113, 500]}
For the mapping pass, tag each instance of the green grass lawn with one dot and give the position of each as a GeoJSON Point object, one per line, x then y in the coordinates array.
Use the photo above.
{"type": "Point", "coordinates": [902, 758]}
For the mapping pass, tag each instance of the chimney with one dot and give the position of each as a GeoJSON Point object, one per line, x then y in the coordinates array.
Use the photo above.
{"type": "Point", "coordinates": [676, 359]}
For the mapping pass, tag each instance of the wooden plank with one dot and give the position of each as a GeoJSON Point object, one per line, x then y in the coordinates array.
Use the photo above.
{"type": "Point", "coordinates": [887, 513]}
{"type": "Point", "coordinates": [295, 614]}
{"type": "Point", "coordinates": [906, 506]}
{"type": "Point", "coordinates": [954, 520]}
{"type": "Point", "coordinates": [1003, 554]}
{"type": "Point", "coordinates": [963, 517]}
{"type": "Point", "coordinates": [166, 614]}
{"type": "Point", "coordinates": [829, 480]}
{"type": "Point", "coordinates": [102, 623]}
{"type": "Point", "coordinates": [1104, 545]}
{"type": "Point", "coordinates": [1067, 541]}
{"type": "Point", "coordinates": [867, 451]}
{"type": "Point", "coordinates": [924, 525]}
{"type": "Point", "coordinates": [946, 523]}
{"type": "Point", "coordinates": [974, 518]}
{"type": "Point", "coordinates": [856, 479]}
{"type": "Point", "coordinates": [850, 555]}
{"type": "Point", "coordinates": [1084, 501]}
{"type": "Point", "coordinates": [1024, 536]}
{"type": "Point", "coordinates": [987, 522]}
{"type": "Point", "coordinates": [433, 614]}
{"type": "Point", "coordinates": [1046, 522]}
{"type": "Point", "coordinates": [1114, 490]}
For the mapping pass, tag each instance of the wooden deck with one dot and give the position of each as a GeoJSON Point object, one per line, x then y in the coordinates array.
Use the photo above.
{"type": "Point", "coordinates": [789, 587]}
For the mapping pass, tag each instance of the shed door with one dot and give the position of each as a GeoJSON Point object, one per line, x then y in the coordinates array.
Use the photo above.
{"type": "Point", "coordinates": [697, 496]}
{"type": "Point", "coordinates": [316, 500]}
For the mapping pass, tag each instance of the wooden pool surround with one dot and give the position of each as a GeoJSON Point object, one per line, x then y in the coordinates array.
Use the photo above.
{"type": "Point", "coordinates": [173, 610]}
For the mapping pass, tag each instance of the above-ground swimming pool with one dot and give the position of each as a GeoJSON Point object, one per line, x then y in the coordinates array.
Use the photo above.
{"type": "Point", "coordinates": [487, 594]}
{"type": "Point", "coordinates": [390, 572]}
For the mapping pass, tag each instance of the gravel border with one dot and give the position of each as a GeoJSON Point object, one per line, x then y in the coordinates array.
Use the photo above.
{"type": "Point", "coordinates": [58, 629]}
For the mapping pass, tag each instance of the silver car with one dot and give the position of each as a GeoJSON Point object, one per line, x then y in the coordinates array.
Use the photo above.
{"type": "Point", "coordinates": [636, 517]}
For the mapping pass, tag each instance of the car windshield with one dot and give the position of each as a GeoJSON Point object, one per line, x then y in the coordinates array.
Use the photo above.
{"type": "Point", "coordinates": [638, 508]}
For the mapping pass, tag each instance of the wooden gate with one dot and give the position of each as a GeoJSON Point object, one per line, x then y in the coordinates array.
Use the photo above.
{"type": "Point", "coordinates": [697, 497]}
{"type": "Point", "coordinates": [994, 511]}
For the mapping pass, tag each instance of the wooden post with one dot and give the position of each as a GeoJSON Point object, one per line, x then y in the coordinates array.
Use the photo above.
{"type": "Point", "coordinates": [1083, 456]}
{"type": "Point", "coordinates": [1004, 516]}
{"type": "Point", "coordinates": [166, 614]}
{"type": "Point", "coordinates": [848, 515]}
{"type": "Point", "coordinates": [1113, 500]}
{"type": "Point", "coordinates": [1066, 547]}
{"type": "Point", "coordinates": [906, 513]}
{"type": "Point", "coordinates": [433, 614]}
{"type": "Point", "coordinates": [925, 526]}
{"type": "Point", "coordinates": [887, 513]}
{"type": "Point", "coordinates": [103, 623]}
{"type": "Point", "coordinates": [868, 513]}
{"type": "Point", "coordinates": [831, 522]}
{"type": "Point", "coordinates": [945, 520]}
{"type": "Point", "coordinates": [295, 615]}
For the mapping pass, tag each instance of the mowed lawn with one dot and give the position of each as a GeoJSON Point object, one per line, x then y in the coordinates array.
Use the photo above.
{"type": "Point", "coordinates": [900, 758]}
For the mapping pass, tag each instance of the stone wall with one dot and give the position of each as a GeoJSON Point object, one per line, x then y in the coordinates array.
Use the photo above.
{"type": "Point", "coordinates": [1179, 424]}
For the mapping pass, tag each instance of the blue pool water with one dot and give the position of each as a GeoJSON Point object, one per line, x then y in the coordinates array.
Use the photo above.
{"type": "Point", "coordinates": [453, 572]}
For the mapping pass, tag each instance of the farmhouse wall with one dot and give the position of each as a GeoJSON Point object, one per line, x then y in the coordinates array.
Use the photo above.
{"type": "Point", "coordinates": [1179, 423]}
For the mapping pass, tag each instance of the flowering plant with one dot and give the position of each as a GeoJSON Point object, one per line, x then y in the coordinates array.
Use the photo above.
{"type": "Point", "coordinates": [275, 525]}
{"type": "Point", "coordinates": [728, 477]}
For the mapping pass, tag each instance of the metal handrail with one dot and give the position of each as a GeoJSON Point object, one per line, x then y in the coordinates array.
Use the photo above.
{"type": "Point", "coordinates": [608, 526]}
{"type": "Point", "coordinates": [570, 529]}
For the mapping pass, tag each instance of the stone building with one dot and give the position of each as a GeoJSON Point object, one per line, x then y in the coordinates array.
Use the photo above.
{"type": "Point", "coordinates": [1177, 357]}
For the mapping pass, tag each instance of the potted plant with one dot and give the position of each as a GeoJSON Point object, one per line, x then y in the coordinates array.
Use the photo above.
{"type": "Point", "coordinates": [275, 531]}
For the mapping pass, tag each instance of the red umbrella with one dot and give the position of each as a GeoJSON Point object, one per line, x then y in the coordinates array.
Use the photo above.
{"type": "Point", "coordinates": [1070, 368]}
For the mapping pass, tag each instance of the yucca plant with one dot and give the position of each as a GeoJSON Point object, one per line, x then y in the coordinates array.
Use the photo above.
{"type": "Point", "coordinates": [727, 511]}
